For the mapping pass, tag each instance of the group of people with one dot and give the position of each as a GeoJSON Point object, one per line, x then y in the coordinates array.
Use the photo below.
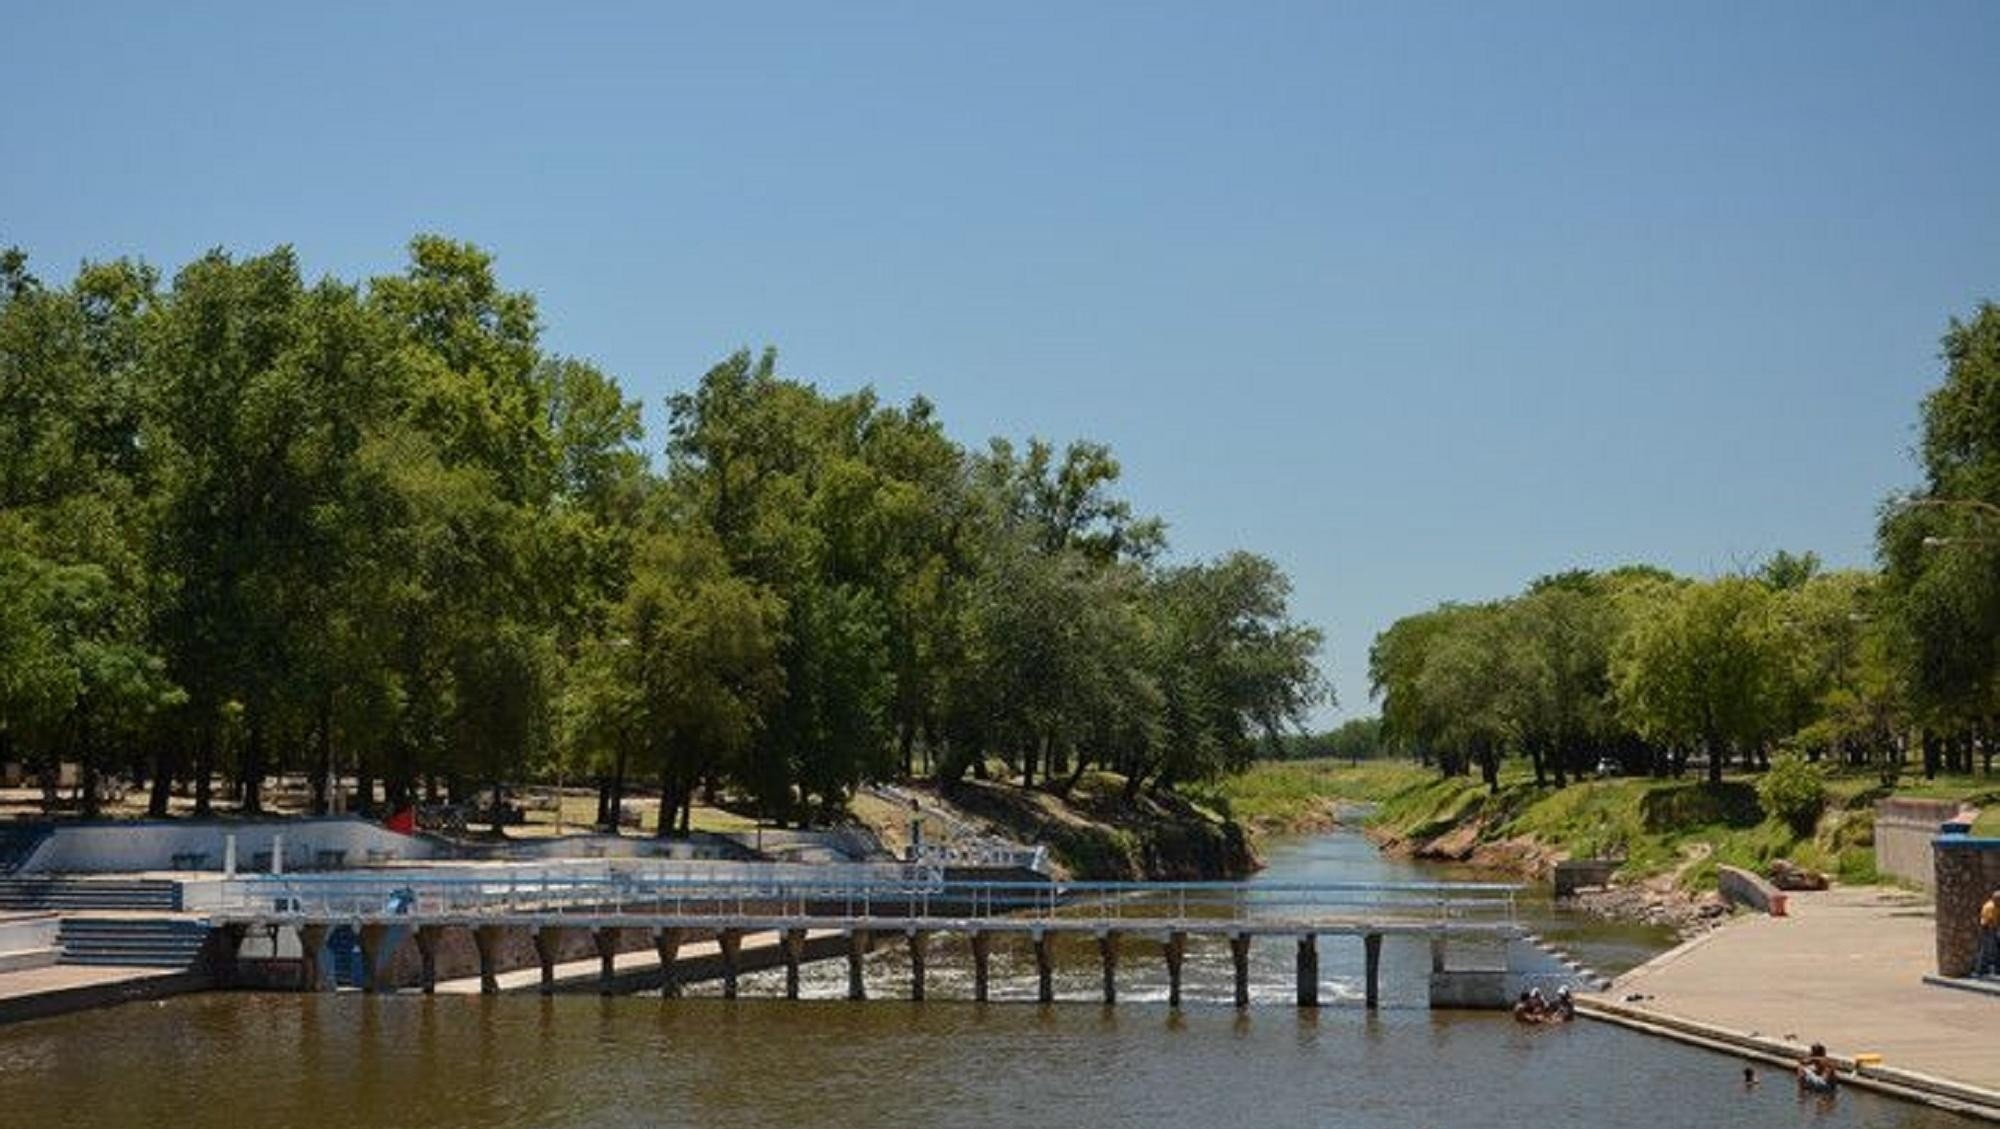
{"type": "Point", "coordinates": [1533, 1007]}
{"type": "Point", "coordinates": [1816, 1071]}
{"type": "Point", "coordinates": [1989, 938]}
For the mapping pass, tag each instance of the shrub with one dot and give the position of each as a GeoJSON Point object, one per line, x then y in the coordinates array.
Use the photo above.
{"type": "Point", "coordinates": [1794, 790]}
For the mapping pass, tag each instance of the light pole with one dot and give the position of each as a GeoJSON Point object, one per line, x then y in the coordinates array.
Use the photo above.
{"type": "Point", "coordinates": [1975, 506]}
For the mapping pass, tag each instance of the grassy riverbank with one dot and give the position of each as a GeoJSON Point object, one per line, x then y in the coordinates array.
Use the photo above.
{"type": "Point", "coordinates": [1294, 797]}
{"type": "Point", "coordinates": [1095, 832]}
{"type": "Point", "coordinates": [1680, 828]}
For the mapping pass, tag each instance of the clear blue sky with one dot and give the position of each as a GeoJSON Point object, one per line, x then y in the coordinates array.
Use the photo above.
{"type": "Point", "coordinates": [1422, 300]}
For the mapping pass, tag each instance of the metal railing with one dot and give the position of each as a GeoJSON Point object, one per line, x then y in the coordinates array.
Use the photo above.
{"type": "Point", "coordinates": [915, 895]}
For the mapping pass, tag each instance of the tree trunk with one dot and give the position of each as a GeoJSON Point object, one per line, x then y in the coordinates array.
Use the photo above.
{"type": "Point", "coordinates": [204, 768]}
{"type": "Point", "coordinates": [166, 757]}
{"type": "Point", "coordinates": [252, 779]}
{"type": "Point", "coordinates": [323, 775]}
{"type": "Point", "coordinates": [364, 788]}
{"type": "Point", "coordinates": [1714, 762]}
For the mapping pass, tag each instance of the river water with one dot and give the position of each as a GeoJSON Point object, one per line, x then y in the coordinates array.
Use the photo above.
{"type": "Point", "coordinates": [236, 1061]}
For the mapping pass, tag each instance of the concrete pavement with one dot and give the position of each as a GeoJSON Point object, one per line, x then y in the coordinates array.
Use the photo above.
{"type": "Point", "coordinates": [1845, 968]}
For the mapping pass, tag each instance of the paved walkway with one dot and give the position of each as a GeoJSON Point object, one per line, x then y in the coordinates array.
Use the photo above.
{"type": "Point", "coordinates": [63, 977]}
{"type": "Point", "coordinates": [1846, 968]}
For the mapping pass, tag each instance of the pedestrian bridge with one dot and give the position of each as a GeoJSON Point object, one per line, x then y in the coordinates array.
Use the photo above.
{"type": "Point", "coordinates": [797, 909]}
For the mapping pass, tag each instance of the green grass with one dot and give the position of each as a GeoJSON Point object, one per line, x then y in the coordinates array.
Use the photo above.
{"type": "Point", "coordinates": [1295, 795]}
{"type": "Point", "coordinates": [1657, 825]}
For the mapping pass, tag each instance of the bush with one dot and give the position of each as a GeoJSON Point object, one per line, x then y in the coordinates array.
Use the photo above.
{"type": "Point", "coordinates": [1794, 790]}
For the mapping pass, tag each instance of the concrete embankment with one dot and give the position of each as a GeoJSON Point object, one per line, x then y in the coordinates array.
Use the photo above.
{"type": "Point", "coordinates": [1846, 968]}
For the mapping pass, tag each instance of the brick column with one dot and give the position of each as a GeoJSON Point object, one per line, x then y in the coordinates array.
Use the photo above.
{"type": "Point", "coordinates": [1967, 872]}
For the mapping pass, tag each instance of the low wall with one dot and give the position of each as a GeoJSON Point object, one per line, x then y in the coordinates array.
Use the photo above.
{"type": "Point", "coordinates": [1572, 875]}
{"type": "Point", "coordinates": [1746, 889]}
{"type": "Point", "coordinates": [124, 846]}
{"type": "Point", "coordinates": [1966, 871]}
{"type": "Point", "coordinates": [1904, 829]}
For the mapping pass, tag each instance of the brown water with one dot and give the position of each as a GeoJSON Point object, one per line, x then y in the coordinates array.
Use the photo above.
{"type": "Point", "coordinates": [237, 1061]}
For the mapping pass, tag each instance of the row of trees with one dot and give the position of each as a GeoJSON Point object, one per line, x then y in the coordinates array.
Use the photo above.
{"type": "Point", "coordinates": [1646, 668]}
{"type": "Point", "coordinates": [251, 523]}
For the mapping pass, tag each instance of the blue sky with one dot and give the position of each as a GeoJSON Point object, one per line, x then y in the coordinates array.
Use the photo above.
{"type": "Point", "coordinates": [1423, 300]}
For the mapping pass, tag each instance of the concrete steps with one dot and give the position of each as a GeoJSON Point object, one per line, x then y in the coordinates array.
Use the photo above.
{"type": "Point", "coordinates": [143, 942]}
{"type": "Point", "coordinates": [28, 894]}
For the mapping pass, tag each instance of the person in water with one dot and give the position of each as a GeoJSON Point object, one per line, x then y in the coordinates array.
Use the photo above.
{"type": "Point", "coordinates": [1565, 1006]}
{"type": "Point", "coordinates": [1816, 1070]}
{"type": "Point", "coordinates": [1528, 1009]}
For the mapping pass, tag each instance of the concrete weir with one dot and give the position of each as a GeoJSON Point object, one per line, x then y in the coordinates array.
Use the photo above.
{"type": "Point", "coordinates": [552, 934]}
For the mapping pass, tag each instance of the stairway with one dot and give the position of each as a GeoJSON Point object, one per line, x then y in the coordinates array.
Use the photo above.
{"type": "Point", "coordinates": [59, 894]}
{"type": "Point", "coordinates": [136, 942]}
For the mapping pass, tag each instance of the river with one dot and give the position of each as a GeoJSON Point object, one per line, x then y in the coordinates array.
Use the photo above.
{"type": "Point", "coordinates": [238, 1061]}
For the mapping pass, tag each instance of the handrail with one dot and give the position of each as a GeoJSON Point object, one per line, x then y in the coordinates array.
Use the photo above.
{"type": "Point", "coordinates": [918, 894]}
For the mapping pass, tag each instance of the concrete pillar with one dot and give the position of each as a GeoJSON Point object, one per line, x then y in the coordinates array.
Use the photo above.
{"type": "Point", "coordinates": [375, 954]}
{"type": "Point", "coordinates": [229, 855]}
{"type": "Point", "coordinates": [1437, 953]}
{"type": "Point", "coordinates": [1176, 949]}
{"type": "Point", "coordinates": [1107, 953]}
{"type": "Point", "coordinates": [312, 959]}
{"type": "Point", "coordinates": [228, 947]}
{"type": "Point", "coordinates": [1239, 955]}
{"type": "Point", "coordinates": [1371, 952]}
{"type": "Point", "coordinates": [1965, 872]}
{"type": "Point", "coordinates": [486, 938]}
{"type": "Point", "coordinates": [1045, 966]}
{"type": "Point", "coordinates": [982, 951]}
{"type": "Point", "coordinates": [918, 941]}
{"type": "Point", "coordinates": [548, 940]}
{"type": "Point", "coordinates": [730, 942]}
{"type": "Point", "coordinates": [277, 854]}
{"type": "Point", "coordinates": [1308, 970]}
{"type": "Point", "coordinates": [606, 941]}
{"type": "Point", "coordinates": [427, 946]}
{"type": "Point", "coordinates": [795, 951]}
{"type": "Point", "coordinates": [857, 947]}
{"type": "Point", "coordinates": [667, 942]}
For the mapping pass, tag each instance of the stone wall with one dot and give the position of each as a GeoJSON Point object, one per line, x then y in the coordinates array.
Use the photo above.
{"type": "Point", "coordinates": [1904, 829]}
{"type": "Point", "coordinates": [1746, 889]}
{"type": "Point", "coordinates": [1966, 872]}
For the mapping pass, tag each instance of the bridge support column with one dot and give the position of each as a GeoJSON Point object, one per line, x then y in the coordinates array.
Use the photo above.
{"type": "Point", "coordinates": [312, 959]}
{"type": "Point", "coordinates": [228, 947]}
{"type": "Point", "coordinates": [427, 955]}
{"type": "Point", "coordinates": [375, 954]}
{"type": "Point", "coordinates": [1045, 966]}
{"type": "Point", "coordinates": [1308, 970]}
{"type": "Point", "coordinates": [1176, 949]}
{"type": "Point", "coordinates": [606, 941]}
{"type": "Point", "coordinates": [795, 951]}
{"type": "Point", "coordinates": [1371, 952]}
{"type": "Point", "coordinates": [857, 947]}
{"type": "Point", "coordinates": [919, 941]}
{"type": "Point", "coordinates": [486, 938]}
{"type": "Point", "coordinates": [982, 952]}
{"type": "Point", "coordinates": [730, 942]}
{"type": "Point", "coordinates": [548, 940]}
{"type": "Point", "coordinates": [1239, 955]}
{"type": "Point", "coordinates": [667, 942]}
{"type": "Point", "coordinates": [1107, 952]}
